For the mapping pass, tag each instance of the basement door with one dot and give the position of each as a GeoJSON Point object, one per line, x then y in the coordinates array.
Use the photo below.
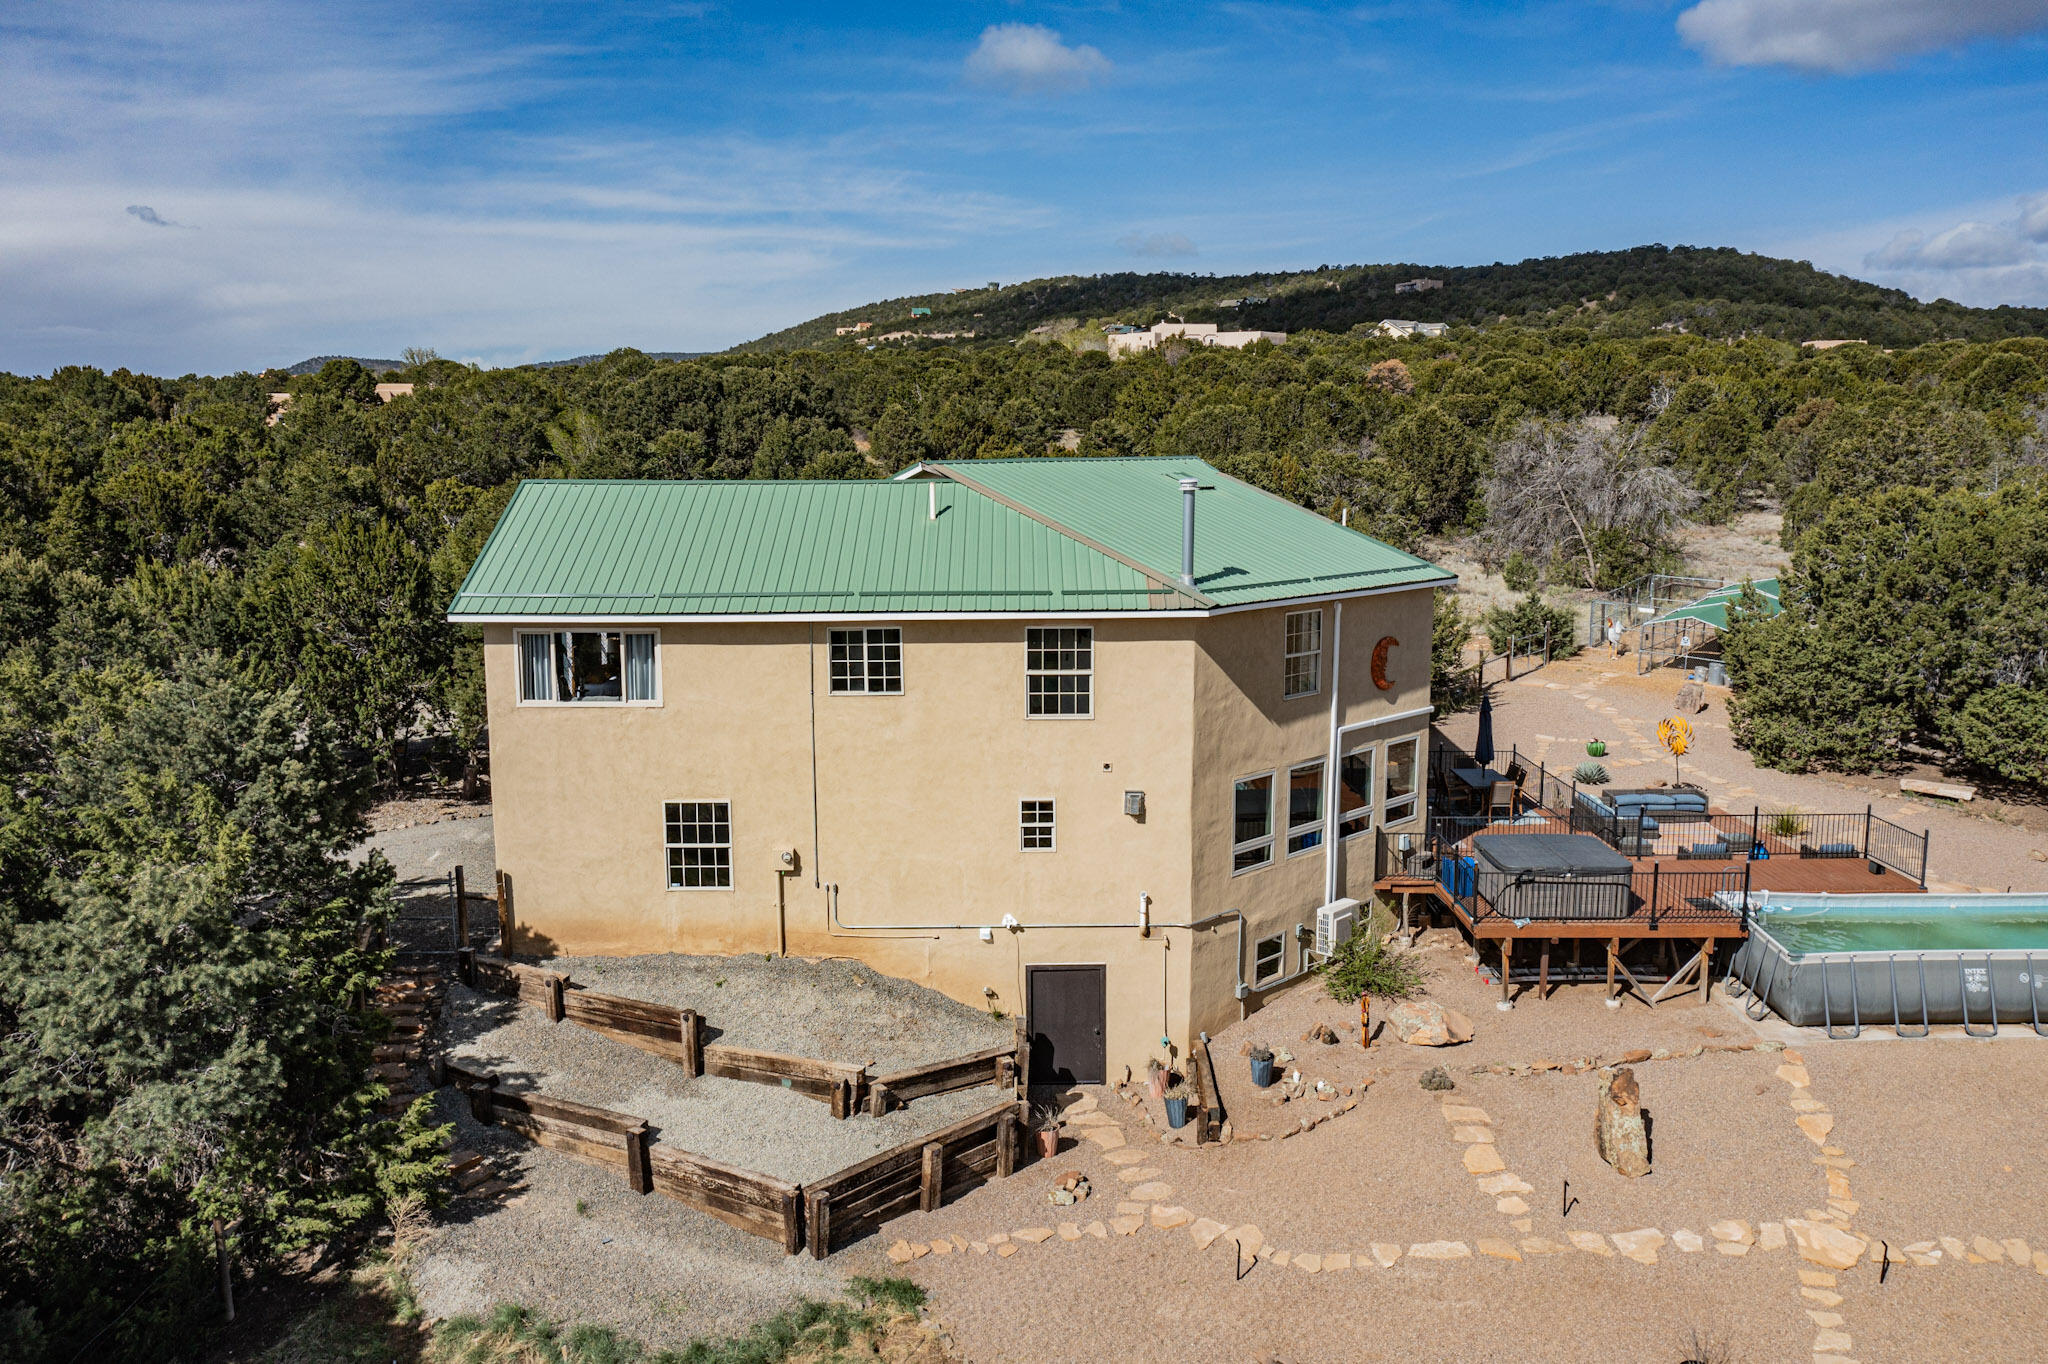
{"type": "Point", "coordinates": [1064, 1009]}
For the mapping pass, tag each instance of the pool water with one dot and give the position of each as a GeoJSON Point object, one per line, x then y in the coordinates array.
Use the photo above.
{"type": "Point", "coordinates": [1805, 924]}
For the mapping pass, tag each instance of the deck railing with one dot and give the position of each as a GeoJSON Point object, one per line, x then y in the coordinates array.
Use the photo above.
{"type": "Point", "coordinates": [1650, 895]}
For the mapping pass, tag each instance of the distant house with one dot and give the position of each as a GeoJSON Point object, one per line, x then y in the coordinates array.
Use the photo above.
{"type": "Point", "coordinates": [1131, 341]}
{"type": "Point", "coordinates": [851, 328]}
{"type": "Point", "coordinates": [280, 401]}
{"type": "Point", "coordinates": [1401, 329]}
{"type": "Point", "coordinates": [1417, 286]}
{"type": "Point", "coordinates": [1830, 345]}
{"type": "Point", "coordinates": [386, 392]}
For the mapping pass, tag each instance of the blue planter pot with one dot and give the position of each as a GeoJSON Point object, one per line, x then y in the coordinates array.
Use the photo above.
{"type": "Point", "coordinates": [1262, 1071]}
{"type": "Point", "coordinates": [1176, 1112]}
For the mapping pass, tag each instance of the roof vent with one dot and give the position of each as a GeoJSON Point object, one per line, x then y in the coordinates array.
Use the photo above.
{"type": "Point", "coordinates": [1187, 531]}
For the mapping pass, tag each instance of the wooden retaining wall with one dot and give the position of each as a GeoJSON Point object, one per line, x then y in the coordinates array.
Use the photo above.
{"type": "Point", "coordinates": [678, 1035]}
{"type": "Point", "coordinates": [918, 1175]}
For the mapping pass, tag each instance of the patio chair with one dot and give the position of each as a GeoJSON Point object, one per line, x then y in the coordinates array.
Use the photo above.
{"type": "Point", "coordinates": [1500, 800]}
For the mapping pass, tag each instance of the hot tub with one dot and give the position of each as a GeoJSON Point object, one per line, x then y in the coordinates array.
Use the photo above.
{"type": "Point", "coordinates": [1551, 876]}
{"type": "Point", "coordinates": [1899, 961]}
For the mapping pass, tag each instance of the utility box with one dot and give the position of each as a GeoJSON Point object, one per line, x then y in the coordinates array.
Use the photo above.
{"type": "Point", "coordinates": [1335, 923]}
{"type": "Point", "coordinates": [1134, 804]}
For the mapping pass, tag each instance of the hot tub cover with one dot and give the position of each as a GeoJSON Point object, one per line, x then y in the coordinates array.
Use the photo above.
{"type": "Point", "coordinates": [1551, 854]}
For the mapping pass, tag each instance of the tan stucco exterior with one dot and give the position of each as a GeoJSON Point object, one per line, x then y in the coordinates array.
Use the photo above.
{"type": "Point", "coordinates": [910, 827]}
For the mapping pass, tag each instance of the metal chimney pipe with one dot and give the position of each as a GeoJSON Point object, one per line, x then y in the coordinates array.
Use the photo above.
{"type": "Point", "coordinates": [1187, 531]}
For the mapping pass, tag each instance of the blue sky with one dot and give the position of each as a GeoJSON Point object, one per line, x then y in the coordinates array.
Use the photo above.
{"type": "Point", "coordinates": [223, 186]}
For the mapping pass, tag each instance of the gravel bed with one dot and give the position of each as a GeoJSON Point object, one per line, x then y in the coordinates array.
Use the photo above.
{"type": "Point", "coordinates": [766, 1129]}
{"type": "Point", "coordinates": [832, 1010]}
{"type": "Point", "coordinates": [573, 1242]}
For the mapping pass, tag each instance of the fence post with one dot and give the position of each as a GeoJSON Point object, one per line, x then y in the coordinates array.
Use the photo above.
{"type": "Point", "coordinates": [1756, 820]}
{"type": "Point", "coordinates": [1866, 831]}
{"type": "Point", "coordinates": [461, 911]}
{"type": "Point", "coordinates": [639, 1170]}
{"type": "Point", "coordinates": [1006, 1145]}
{"type": "Point", "coordinates": [1509, 658]}
{"type": "Point", "coordinates": [1923, 856]}
{"type": "Point", "coordinates": [552, 983]}
{"type": "Point", "coordinates": [818, 1222]}
{"type": "Point", "coordinates": [932, 1179]}
{"type": "Point", "coordinates": [692, 1028]}
{"type": "Point", "coordinates": [1654, 885]}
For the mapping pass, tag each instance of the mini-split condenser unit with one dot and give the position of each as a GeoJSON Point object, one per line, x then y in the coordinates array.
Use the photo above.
{"type": "Point", "coordinates": [1335, 922]}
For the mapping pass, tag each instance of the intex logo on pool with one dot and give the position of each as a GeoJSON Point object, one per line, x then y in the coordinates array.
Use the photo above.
{"type": "Point", "coordinates": [1975, 980]}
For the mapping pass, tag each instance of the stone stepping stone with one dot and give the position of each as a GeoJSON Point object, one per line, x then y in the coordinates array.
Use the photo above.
{"type": "Point", "coordinates": [1816, 1126]}
{"type": "Point", "coordinates": [1827, 1342]}
{"type": "Point", "coordinates": [1732, 1229]}
{"type": "Point", "coordinates": [1499, 1250]}
{"type": "Point", "coordinates": [900, 1252]}
{"type": "Point", "coordinates": [1097, 1230]}
{"type": "Point", "coordinates": [1770, 1236]}
{"type": "Point", "coordinates": [1691, 1242]}
{"type": "Point", "coordinates": [979, 1247]}
{"type": "Point", "coordinates": [1248, 1237]}
{"type": "Point", "coordinates": [1510, 1206]}
{"type": "Point", "coordinates": [1794, 1076]}
{"type": "Point", "coordinates": [1034, 1234]}
{"type": "Point", "coordinates": [1505, 1184]}
{"type": "Point", "coordinates": [1108, 1138]}
{"type": "Point", "coordinates": [1126, 1225]}
{"type": "Point", "coordinates": [1205, 1230]}
{"type": "Point", "coordinates": [1440, 1250]}
{"type": "Point", "coordinates": [1640, 1245]}
{"type": "Point", "coordinates": [1334, 1264]}
{"type": "Point", "coordinates": [1126, 1156]}
{"type": "Point", "coordinates": [1825, 1297]}
{"type": "Point", "coordinates": [1166, 1216]}
{"type": "Point", "coordinates": [1385, 1254]}
{"type": "Point", "coordinates": [1735, 1248]}
{"type": "Point", "coordinates": [1070, 1231]}
{"type": "Point", "coordinates": [1816, 1278]}
{"type": "Point", "coordinates": [942, 1247]}
{"type": "Point", "coordinates": [1091, 1118]}
{"type": "Point", "coordinates": [1006, 1250]}
{"type": "Point", "coordinates": [1464, 1113]}
{"type": "Point", "coordinates": [1990, 1250]}
{"type": "Point", "coordinates": [1152, 1193]}
{"type": "Point", "coordinates": [1483, 1160]}
{"type": "Point", "coordinates": [1472, 1133]}
{"type": "Point", "coordinates": [1591, 1242]}
{"type": "Point", "coordinates": [1138, 1174]}
{"type": "Point", "coordinates": [1309, 1264]}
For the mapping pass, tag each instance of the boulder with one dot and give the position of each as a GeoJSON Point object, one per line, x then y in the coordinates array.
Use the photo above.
{"type": "Point", "coordinates": [1692, 699]}
{"type": "Point", "coordinates": [1618, 1129]}
{"type": "Point", "coordinates": [1425, 1023]}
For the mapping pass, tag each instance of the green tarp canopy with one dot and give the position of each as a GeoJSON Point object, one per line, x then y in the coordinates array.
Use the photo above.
{"type": "Point", "coordinates": [1712, 609]}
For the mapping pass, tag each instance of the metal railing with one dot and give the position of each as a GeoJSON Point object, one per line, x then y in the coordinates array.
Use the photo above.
{"type": "Point", "coordinates": [1651, 895]}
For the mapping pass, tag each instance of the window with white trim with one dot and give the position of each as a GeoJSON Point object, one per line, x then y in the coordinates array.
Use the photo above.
{"type": "Point", "coordinates": [1251, 823]}
{"type": "Point", "coordinates": [1354, 792]}
{"type": "Point", "coordinates": [1304, 808]}
{"type": "Point", "coordinates": [1268, 956]}
{"type": "Point", "coordinates": [1059, 671]}
{"type": "Point", "coordinates": [1304, 652]}
{"type": "Point", "coordinates": [698, 834]}
{"type": "Point", "coordinates": [1401, 796]}
{"type": "Point", "coordinates": [867, 662]}
{"type": "Point", "coordinates": [565, 666]}
{"type": "Point", "coordinates": [1035, 825]}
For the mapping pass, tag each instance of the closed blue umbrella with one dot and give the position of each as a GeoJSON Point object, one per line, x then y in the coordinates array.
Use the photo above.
{"type": "Point", "coordinates": [1482, 747]}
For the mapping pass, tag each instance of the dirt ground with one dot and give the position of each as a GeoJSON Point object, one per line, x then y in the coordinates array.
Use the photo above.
{"type": "Point", "coordinates": [1551, 713]}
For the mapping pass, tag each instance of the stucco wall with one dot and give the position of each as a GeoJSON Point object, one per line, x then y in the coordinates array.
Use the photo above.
{"type": "Point", "coordinates": [916, 803]}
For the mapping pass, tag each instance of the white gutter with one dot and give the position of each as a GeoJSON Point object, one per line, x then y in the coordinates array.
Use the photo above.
{"type": "Point", "coordinates": [1330, 767]}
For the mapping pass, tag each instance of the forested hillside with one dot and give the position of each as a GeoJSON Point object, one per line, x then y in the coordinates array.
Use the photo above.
{"type": "Point", "coordinates": [1717, 292]}
{"type": "Point", "coordinates": [214, 629]}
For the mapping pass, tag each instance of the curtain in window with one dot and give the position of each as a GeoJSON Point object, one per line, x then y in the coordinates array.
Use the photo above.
{"type": "Point", "coordinates": [639, 667]}
{"type": "Point", "coordinates": [533, 669]}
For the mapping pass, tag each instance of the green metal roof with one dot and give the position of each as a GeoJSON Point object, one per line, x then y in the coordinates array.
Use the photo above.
{"type": "Point", "coordinates": [1080, 536]}
{"type": "Point", "coordinates": [1250, 546]}
{"type": "Point", "coordinates": [1712, 609]}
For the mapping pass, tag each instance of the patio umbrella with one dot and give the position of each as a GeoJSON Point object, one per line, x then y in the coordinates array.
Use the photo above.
{"type": "Point", "coordinates": [1482, 747]}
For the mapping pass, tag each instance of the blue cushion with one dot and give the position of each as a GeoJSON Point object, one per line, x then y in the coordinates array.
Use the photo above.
{"type": "Point", "coordinates": [1710, 849]}
{"type": "Point", "coordinates": [1839, 849]}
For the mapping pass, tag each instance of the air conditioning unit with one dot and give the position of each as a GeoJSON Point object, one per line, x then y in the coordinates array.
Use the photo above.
{"type": "Point", "coordinates": [1335, 922]}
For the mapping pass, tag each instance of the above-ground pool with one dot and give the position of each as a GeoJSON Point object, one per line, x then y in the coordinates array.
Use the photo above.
{"type": "Point", "coordinates": [1902, 961]}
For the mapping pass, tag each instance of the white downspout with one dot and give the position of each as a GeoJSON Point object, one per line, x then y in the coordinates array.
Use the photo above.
{"type": "Point", "coordinates": [1330, 768]}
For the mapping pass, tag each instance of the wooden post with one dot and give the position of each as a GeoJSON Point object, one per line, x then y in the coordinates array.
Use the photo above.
{"type": "Point", "coordinates": [461, 911]}
{"type": "Point", "coordinates": [639, 1170]}
{"type": "Point", "coordinates": [791, 1206]}
{"type": "Point", "coordinates": [1543, 970]}
{"type": "Point", "coordinates": [818, 1223]}
{"type": "Point", "coordinates": [1707, 971]}
{"type": "Point", "coordinates": [692, 1028]}
{"type": "Point", "coordinates": [1507, 956]}
{"type": "Point", "coordinates": [480, 1095]}
{"type": "Point", "coordinates": [1006, 1073]}
{"type": "Point", "coordinates": [932, 1183]}
{"type": "Point", "coordinates": [504, 913]}
{"type": "Point", "coordinates": [1023, 1056]}
{"type": "Point", "coordinates": [227, 1273]}
{"type": "Point", "coordinates": [1613, 948]}
{"type": "Point", "coordinates": [878, 1100]}
{"type": "Point", "coordinates": [842, 1098]}
{"type": "Point", "coordinates": [1006, 1145]}
{"type": "Point", "coordinates": [552, 982]}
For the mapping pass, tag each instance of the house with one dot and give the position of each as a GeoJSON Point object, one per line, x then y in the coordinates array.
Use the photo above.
{"type": "Point", "coordinates": [278, 402]}
{"type": "Point", "coordinates": [1402, 330]}
{"type": "Point", "coordinates": [1417, 286]}
{"type": "Point", "coordinates": [852, 328]}
{"type": "Point", "coordinates": [1132, 341]}
{"type": "Point", "coordinates": [920, 312]}
{"type": "Point", "coordinates": [1085, 740]}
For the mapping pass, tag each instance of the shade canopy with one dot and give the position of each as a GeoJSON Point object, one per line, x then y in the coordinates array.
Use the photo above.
{"type": "Point", "coordinates": [1712, 609]}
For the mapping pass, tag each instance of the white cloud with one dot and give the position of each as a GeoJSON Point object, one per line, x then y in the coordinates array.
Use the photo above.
{"type": "Point", "coordinates": [2033, 220]}
{"type": "Point", "coordinates": [1848, 35]}
{"type": "Point", "coordinates": [1975, 253]}
{"type": "Point", "coordinates": [144, 213]}
{"type": "Point", "coordinates": [1156, 244]}
{"type": "Point", "coordinates": [1030, 59]}
{"type": "Point", "coordinates": [1966, 246]}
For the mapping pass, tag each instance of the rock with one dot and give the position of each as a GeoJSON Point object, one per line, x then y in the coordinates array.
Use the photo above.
{"type": "Point", "coordinates": [1636, 1057]}
{"type": "Point", "coordinates": [1437, 1080]}
{"type": "Point", "coordinates": [1153, 1192]}
{"type": "Point", "coordinates": [1816, 1126]}
{"type": "Point", "coordinates": [1498, 1249]}
{"type": "Point", "coordinates": [1309, 1264]}
{"type": "Point", "coordinates": [1062, 1198]}
{"type": "Point", "coordinates": [1425, 1023]}
{"type": "Point", "coordinates": [1126, 1226]}
{"type": "Point", "coordinates": [1440, 1250]}
{"type": "Point", "coordinates": [1385, 1254]}
{"type": "Point", "coordinates": [1691, 700]}
{"type": "Point", "coordinates": [1770, 1236]}
{"type": "Point", "coordinates": [1166, 1218]}
{"type": "Point", "coordinates": [1690, 1242]}
{"type": "Point", "coordinates": [1070, 1231]}
{"type": "Point", "coordinates": [1732, 1229]}
{"type": "Point", "coordinates": [1033, 1234]}
{"type": "Point", "coordinates": [1618, 1130]}
{"type": "Point", "coordinates": [1591, 1242]}
{"type": "Point", "coordinates": [1323, 1033]}
{"type": "Point", "coordinates": [1641, 1245]}
{"type": "Point", "coordinates": [1825, 1245]}
{"type": "Point", "coordinates": [1205, 1230]}
{"type": "Point", "coordinates": [1482, 1160]}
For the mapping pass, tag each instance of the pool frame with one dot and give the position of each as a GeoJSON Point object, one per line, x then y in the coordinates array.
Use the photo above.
{"type": "Point", "coordinates": [1829, 989]}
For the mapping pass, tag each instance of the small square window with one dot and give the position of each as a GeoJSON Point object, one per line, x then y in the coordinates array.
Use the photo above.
{"type": "Point", "coordinates": [698, 834]}
{"type": "Point", "coordinates": [867, 662]}
{"type": "Point", "coordinates": [1268, 956]}
{"type": "Point", "coordinates": [1304, 652]}
{"type": "Point", "coordinates": [1035, 826]}
{"type": "Point", "coordinates": [1059, 671]}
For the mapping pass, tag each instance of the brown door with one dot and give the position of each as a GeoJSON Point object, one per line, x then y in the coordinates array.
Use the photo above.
{"type": "Point", "coordinates": [1064, 1010]}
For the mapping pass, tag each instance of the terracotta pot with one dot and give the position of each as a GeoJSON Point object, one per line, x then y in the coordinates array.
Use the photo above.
{"type": "Point", "coordinates": [1157, 1084]}
{"type": "Point", "coordinates": [1048, 1143]}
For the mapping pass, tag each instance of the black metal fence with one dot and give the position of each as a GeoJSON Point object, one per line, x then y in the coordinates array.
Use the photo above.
{"type": "Point", "coordinates": [1648, 894]}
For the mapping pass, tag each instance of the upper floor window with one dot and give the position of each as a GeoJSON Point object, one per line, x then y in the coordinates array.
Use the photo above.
{"type": "Point", "coordinates": [1304, 652]}
{"type": "Point", "coordinates": [867, 662]}
{"type": "Point", "coordinates": [1401, 797]}
{"type": "Point", "coordinates": [1304, 808]}
{"type": "Point", "coordinates": [1354, 792]}
{"type": "Point", "coordinates": [587, 665]}
{"type": "Point", "coordinates": [1035, 826]}
{"type": "Point", "coordinates": [1059, 671]}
